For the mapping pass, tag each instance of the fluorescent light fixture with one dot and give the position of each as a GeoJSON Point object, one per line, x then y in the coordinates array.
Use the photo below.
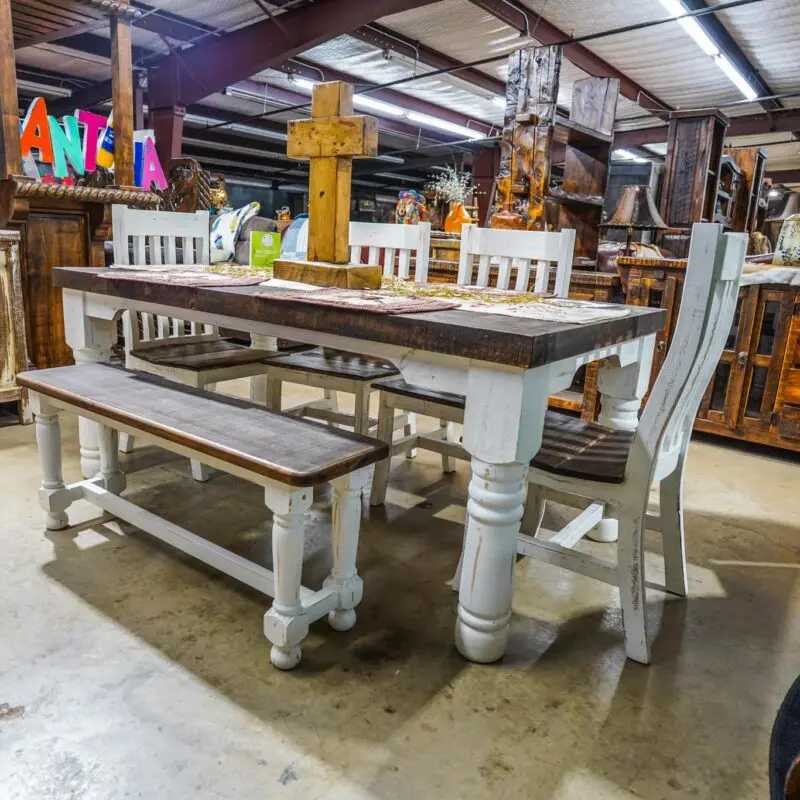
{"type": "Point", "coordinates": [709, 47]}
{"type": "Point", "coordinates": [444, 125]}
{"type": "Point", "coordinates": [303, 83]}
{"type": "Point", "coordinates": [499, 101]}
{"type": "Point", "coordinates": [398, 176]}
{"type": "Point", "coordinates": [391, 159]}
{"type": "Point", "coordinates": [246, 94]}
{"type": "Point", "coordinates": [626, 155]}
{"type": "Point", "coordinates": [360, 101]}
{"type": "Point", "coordinates": [736, 77]}
{"type": "Point", "coordinates": [43, 88]}
{"type": "Point", "coordinates": [261, 133]}
{"type": "Point", "coordinates": [773, 192]}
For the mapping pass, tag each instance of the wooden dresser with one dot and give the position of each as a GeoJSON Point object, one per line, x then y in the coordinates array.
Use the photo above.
{"type": "Point", "coordinates": [13, 342]}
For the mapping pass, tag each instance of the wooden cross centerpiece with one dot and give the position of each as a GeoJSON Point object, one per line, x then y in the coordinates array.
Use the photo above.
{"type": "Point", "coordinates": [330, 140]}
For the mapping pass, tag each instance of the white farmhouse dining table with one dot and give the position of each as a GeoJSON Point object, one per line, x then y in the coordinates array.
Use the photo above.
{"type": "Point", "coordinates": [505, 366]}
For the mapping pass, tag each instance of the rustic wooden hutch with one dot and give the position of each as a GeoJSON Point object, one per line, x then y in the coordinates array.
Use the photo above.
{"type": "Point", "coordinates": [59, 225]}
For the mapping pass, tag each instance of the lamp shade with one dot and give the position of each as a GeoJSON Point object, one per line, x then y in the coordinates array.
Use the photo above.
{"type": "Point", "coordinates": [637, 209]}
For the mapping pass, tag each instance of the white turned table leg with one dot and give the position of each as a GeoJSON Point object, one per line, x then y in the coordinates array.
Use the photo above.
{"type": "Point", "coordinates": [112, 476]}
{"type": "Point", "coordinates": [622, 383]}
{"type": "Point", "coordinates": [53, 496]}
{"type": "Point", "coordinates": [91, 338]}
{"type": "Point", "coordinates": [494, 510]}
{"type": "Point", "coordinates": [285, 624]}
{"type": "Point", "coordinates": [344, 577]}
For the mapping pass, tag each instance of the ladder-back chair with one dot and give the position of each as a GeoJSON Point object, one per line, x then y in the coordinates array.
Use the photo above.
{"type": "Point", "coordinates": [515, 255]}
{"type": "Point", "coordinates": [187, 353]}
{"type": "Point", "coordinates": [614, 469]}
{"type": "Point", "coordinates": [336, 371]}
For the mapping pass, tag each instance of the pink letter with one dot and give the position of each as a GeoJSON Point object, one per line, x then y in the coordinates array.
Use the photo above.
{"type": "Point", "coordinates": [151, 168]}
{"type": "Point", "coordinates": [95, 124]}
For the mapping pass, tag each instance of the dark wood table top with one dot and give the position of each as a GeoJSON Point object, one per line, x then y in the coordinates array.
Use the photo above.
{"type": "Point", "coordinates": [486, 337]}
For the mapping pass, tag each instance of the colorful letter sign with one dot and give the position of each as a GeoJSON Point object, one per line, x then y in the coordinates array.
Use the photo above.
{"type": "Point", "coordinates": [56, 144]}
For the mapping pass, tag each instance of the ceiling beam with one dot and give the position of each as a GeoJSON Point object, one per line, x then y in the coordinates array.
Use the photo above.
{"type": "Point", "coordinates": [311, 71]}
{"type": "Point", "coordinates": [187, 76]}
{"type": "Point", "coordinates": [515, 15]}
{"type": "Point", "coordinates": [387, 39]}
{"type": "Point", "coordinates": [784, 175]}
{"type": "Point", "coordinates": [783, 121]}
{"type": "Point", "coordinates": [718, 33]}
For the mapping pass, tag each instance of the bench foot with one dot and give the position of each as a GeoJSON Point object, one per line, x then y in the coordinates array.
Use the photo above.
{"type": "Point", "coordinates": [57, 521]}
{"type": "Point", "coordinates": [285, 657]}
{"type": "Point", "coordinates": [342, 619]}
{"type": "Point", "coordinates": [200, 472]}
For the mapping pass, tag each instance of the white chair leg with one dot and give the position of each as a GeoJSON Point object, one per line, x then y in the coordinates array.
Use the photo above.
{"type": "Point", "coordinates": [126, 442]}
{"type": "Point", "coordinates": [534, 510]}
{"type": "Point", "coordinates": [672, 534]}
{"type": "Point", "coordinates": [361, 417]}
{"type": "Point", "coordinates": [113, 478]}
{"type": "Point", "coordinates": [347, 492]}
{"type": "Point", "coordinates": [332, 404]}
{"type": "Point", "coordinates": [630, 576]}
{"type": "Point", "coordinates": [286, 624]}
{"type": "Point", "coordinates": [410, 429]}
{"type": "Point", "coordinates": [200, 472]}
{"type": "Point", "coordinates": [53, 496]}
{"type": "Point", "coordinates": [448, 462]}
{"type": "Point", "coordinates": [385, 432]}
{"type": "Point", "coordinates": [606, 531]}
{"type": "Point", "coordinates": [274, 392]}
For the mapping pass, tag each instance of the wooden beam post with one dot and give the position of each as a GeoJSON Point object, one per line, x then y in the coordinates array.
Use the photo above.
{"type": "Point", "coordinates": [167, 124]}
{"type": "Point", "coordinates": [122, 98]}
{"type": "Point", "coordinates": [10, 158]}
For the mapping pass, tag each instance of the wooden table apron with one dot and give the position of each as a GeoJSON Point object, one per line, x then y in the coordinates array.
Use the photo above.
{"type": "Point", "coordinates": [504, 415]}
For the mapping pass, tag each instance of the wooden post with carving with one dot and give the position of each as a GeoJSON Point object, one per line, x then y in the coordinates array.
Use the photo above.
{"type": "Point", "coordinates": [330, 140]}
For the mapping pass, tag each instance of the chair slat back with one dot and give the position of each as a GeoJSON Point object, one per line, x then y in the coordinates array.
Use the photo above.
{"type": "Point", "coordinates": [400, 243]}
{"type": "Point", "coordinates": [707, 308]}
{"type": "Point", "coordinates": [516, 252]}
{"type": "Point", "coordinates": [152, 236]}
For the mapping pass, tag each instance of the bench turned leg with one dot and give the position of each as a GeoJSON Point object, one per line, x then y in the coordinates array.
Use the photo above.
{"type": "Point", "coordinates": [112, 477]}
{"type": "Point", "coordinates": [344, 577]}
{"type": "Point", "coordinates": [200, 472]}
{"type": "Point", "coordinates": [380, 478]}
{"type": "Point", "coordinates": [126, 442]}
{"type": "Point", "coordinates": [286, 624]}
{"type": "Point", "coordinates": [53, 495]}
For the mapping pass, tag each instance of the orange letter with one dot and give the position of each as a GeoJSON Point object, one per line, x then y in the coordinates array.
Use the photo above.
{"type": "Point", "coordinates": [36, 131]}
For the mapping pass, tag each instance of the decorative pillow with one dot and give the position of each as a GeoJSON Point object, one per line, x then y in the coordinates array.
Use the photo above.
{"type": "Point", "coordinates": [787, 250]}
{"type": "Point", "coordinates": [225, 231]}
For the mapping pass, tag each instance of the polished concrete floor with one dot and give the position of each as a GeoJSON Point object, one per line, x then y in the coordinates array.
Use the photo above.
{"type": "Point", "coordinates": [129, 671]}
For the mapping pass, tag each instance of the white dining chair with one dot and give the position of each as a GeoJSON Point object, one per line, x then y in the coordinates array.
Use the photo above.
{"type": "Point", "coordinates": [336, 371]}
{"type": "Point", "coordinates": [184, 352]}
{"type": "Point", "coordinates": [609, 472]}
{"type": "Point", "coordinates": [517, 256]}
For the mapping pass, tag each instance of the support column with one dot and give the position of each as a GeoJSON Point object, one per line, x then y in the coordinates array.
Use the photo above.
{"type": "Point", "coordinates": [122, 99]}
{"type": "Point", "coordinates": [167, 124]}
{"type": "Point", "coordinates": [10, 158]}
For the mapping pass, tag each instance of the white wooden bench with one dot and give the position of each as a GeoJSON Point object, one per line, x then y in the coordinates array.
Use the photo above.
{"type": "Point", "coordinates": [285, 455]}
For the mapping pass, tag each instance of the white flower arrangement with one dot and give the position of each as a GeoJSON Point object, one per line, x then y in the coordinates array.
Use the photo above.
{"type": "Point", "coordinates": [451, 185]}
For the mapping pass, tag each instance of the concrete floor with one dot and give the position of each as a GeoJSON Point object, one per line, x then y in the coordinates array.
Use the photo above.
{"type": "Point", "coordinates": [129, 671]}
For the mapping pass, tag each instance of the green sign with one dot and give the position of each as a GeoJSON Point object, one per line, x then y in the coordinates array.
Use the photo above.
{"type": "Point", "coordinates": [265, 247]}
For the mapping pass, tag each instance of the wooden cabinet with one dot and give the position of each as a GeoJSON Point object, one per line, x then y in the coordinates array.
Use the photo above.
{"type": "Point", "coordinates": [13, 346]}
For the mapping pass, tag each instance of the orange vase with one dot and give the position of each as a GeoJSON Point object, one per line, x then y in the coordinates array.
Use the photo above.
{"type": "Point", "coordinates": [457, 217]}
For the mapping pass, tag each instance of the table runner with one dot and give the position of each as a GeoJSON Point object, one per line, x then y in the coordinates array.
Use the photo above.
{"type": "Point", "coordinates": [195, 277]}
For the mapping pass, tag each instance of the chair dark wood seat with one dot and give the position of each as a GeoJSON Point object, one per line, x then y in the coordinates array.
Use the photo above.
{"type": "Point", "coordinates": [336, 363]}
{"type": "Point", "coordinates": [293, 451]}
{"type": "Point", "coordinates": [197, 356]}
{"type": "Point", "coordinates": [569, 446]}
{"type": "Point", "coordinates": [584, 450]}
{"type": "Point", "coordinates": [399, 386]}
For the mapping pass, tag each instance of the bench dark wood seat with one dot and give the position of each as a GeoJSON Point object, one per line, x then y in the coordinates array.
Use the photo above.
{"type": "Point", "coordinates": [198, 356]}
{"type": "Point", "coordinates": [293, 451]}
{"type": "Point", "coordinates": [336, 363]}
{"type": "Point", "coordinates": [584, 450]}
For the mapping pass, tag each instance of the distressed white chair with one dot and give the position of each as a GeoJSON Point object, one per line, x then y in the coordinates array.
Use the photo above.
{"type": "Point", "coordinates": [614, 469]}
{"type": "Point", "coordinates": [187, 353]}
{"type": "Point", "coordinates": [516, 254]}
{"type": "Point", "coordinates": [335, 371]}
